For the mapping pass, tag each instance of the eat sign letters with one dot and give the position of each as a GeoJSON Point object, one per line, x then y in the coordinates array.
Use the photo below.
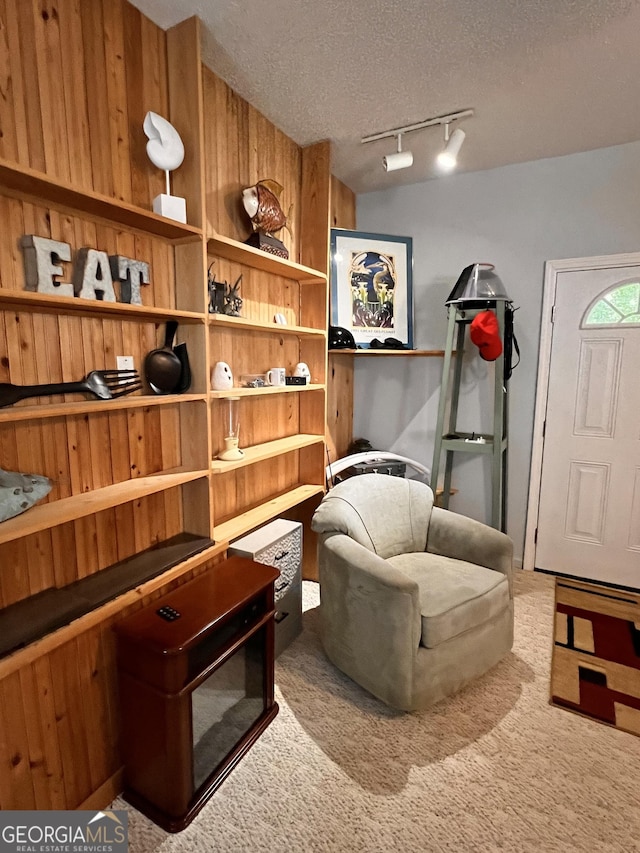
{"type": "Point", "coordinates": [93, 271]}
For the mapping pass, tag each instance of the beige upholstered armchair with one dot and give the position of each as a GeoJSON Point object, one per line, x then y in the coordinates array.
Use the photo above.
{"type": "Point", "coordinates": [415, 601]}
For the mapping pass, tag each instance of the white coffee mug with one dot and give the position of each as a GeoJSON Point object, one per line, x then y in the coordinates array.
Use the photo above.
{"type": "Point", "coordinates": [276, 375]}
{"type": "Point", "coordinates": [302, 369]}
{"type": "Point", "coordinates": [221, 377]}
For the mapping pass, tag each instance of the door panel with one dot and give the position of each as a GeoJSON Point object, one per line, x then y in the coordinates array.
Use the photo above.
{"type": "Point", "coordinates": [589, 510]}
{"type": "Point", "coordinates": [597, 392]}
{"type": "Point", "coordinates": [587, 502]}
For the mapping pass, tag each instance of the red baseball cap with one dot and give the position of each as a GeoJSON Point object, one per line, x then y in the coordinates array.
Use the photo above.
{"type": "Point", "coordinates": [485, 334]}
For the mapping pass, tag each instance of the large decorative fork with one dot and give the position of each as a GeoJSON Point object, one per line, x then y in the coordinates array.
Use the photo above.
{"type": "Point", "coordinates": [105, 384]}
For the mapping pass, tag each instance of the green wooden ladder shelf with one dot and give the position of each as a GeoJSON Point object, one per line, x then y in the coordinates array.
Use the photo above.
{"type": "Point", "coordinates": [452, 441]}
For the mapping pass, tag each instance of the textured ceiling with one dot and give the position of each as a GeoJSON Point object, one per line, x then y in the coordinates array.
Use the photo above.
{"type": "Point", "coordinates": [545, 77]}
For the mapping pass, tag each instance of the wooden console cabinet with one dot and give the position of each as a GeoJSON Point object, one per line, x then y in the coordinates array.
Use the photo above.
{"type": "Point", "coordinates": [196, 687]}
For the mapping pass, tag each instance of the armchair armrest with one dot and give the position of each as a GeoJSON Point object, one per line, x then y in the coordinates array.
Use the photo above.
{"type": "Point", "coordinates": [370, 618]}
{"type": "Point", "coordinates": [357, 564]}
{"type": "Point", "coordinates": [462, 538]}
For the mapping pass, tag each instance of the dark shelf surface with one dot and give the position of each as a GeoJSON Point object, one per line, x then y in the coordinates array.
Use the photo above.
{"type": "Point", "coordinates": [35, 617]}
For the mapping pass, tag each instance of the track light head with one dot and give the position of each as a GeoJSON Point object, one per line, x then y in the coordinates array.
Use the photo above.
{"type": "Point", "coordinates": [400, 160]}
{"type": "Point", "coordinates": [448, 157]}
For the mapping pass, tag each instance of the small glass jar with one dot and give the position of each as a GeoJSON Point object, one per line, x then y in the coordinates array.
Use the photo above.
{"type": "Point", "coordinates": [231, 411]}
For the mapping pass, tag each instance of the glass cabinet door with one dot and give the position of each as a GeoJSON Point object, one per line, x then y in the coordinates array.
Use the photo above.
{"type": "Point", "coordinates": [226, 706]}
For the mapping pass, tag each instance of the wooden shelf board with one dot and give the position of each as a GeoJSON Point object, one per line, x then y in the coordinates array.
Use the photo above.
{"type": "Point", "coordinates": [257, 325]}
{"type": "Point", "coordinates": [232, 250]}
{"type": "Point", "coordinates": [26, 300]}
{"type": "Point", "coordinates": [247, 521]}
{"type": "Point", "coordinates": [268, 450]}
{"type": "Point", "coordinates": [268, 389]}
{"type": "Point", "coordinates": [22, 179]}
{"type": "Point", "coordinates": [402, 353]}
{"type": "Point", "coordinates": [12, 414]}
{"type": "Point", "coordinates": [33, 618]}
{"type": "Point", "coordinates": [465, 443]}
{"type": "Point", "coordinates": [114, 608]}
{"type": "Point", "coordinates": [45, 516]}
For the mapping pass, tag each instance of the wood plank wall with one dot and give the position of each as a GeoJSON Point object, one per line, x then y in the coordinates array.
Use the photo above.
{"type": "Point", "coordinates": [340, 378]}
{"type": "Point", "coordinates": [77, 78]}
{"type": "Point", "coordinates": [343, 205]}
{"type": "Point", "coordinates": [241, 147]}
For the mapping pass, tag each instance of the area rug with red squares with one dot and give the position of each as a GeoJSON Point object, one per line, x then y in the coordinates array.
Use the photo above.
{"type": "Point", "coordinates": [595, 669]}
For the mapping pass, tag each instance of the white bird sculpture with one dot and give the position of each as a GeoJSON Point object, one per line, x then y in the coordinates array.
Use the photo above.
{"type": "Point", "coordinates": [165, 147]}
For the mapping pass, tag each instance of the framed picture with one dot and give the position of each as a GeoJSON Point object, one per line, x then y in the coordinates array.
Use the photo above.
{"type": "Point", "coordinates": [371, 286]}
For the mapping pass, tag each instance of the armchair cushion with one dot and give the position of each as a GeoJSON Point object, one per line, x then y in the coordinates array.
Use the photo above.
{"type": "Point", "coordinates": [387, 515]}
{"type": "Point", "coordinates": [455, 596]}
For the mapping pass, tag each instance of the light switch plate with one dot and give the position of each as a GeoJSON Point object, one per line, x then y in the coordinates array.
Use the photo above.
{"type": "Point", "coordinates": [124, 362]}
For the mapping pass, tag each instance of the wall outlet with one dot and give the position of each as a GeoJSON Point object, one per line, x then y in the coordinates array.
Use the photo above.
{"type": "Point", "coordinates": [124, 362]}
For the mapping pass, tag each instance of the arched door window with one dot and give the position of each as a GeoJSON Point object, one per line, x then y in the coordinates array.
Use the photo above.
{"type": "Point", "coordinates": [616, 305]}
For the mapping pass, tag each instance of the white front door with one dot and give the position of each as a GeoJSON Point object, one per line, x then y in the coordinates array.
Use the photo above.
{"type": "Point", "coordinates": [589, 504]}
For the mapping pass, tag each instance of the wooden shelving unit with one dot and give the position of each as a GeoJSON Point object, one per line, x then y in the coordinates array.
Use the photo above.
{"type": "Point", "coordinates": [130, 473]}
{"type": "Point", "coordinates": [251, 489]}
{"type": "Point", "coordinates": [127, 474]}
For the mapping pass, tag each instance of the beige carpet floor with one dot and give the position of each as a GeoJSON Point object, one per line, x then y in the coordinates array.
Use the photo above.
{"type": "Point", "coordinates": [495, 768]}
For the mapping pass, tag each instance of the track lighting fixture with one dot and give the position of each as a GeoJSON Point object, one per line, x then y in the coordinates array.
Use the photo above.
{"type": "Point", "coordinates": [447, 158]}
{"type": "Point", "coordinates": [400, 160]}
